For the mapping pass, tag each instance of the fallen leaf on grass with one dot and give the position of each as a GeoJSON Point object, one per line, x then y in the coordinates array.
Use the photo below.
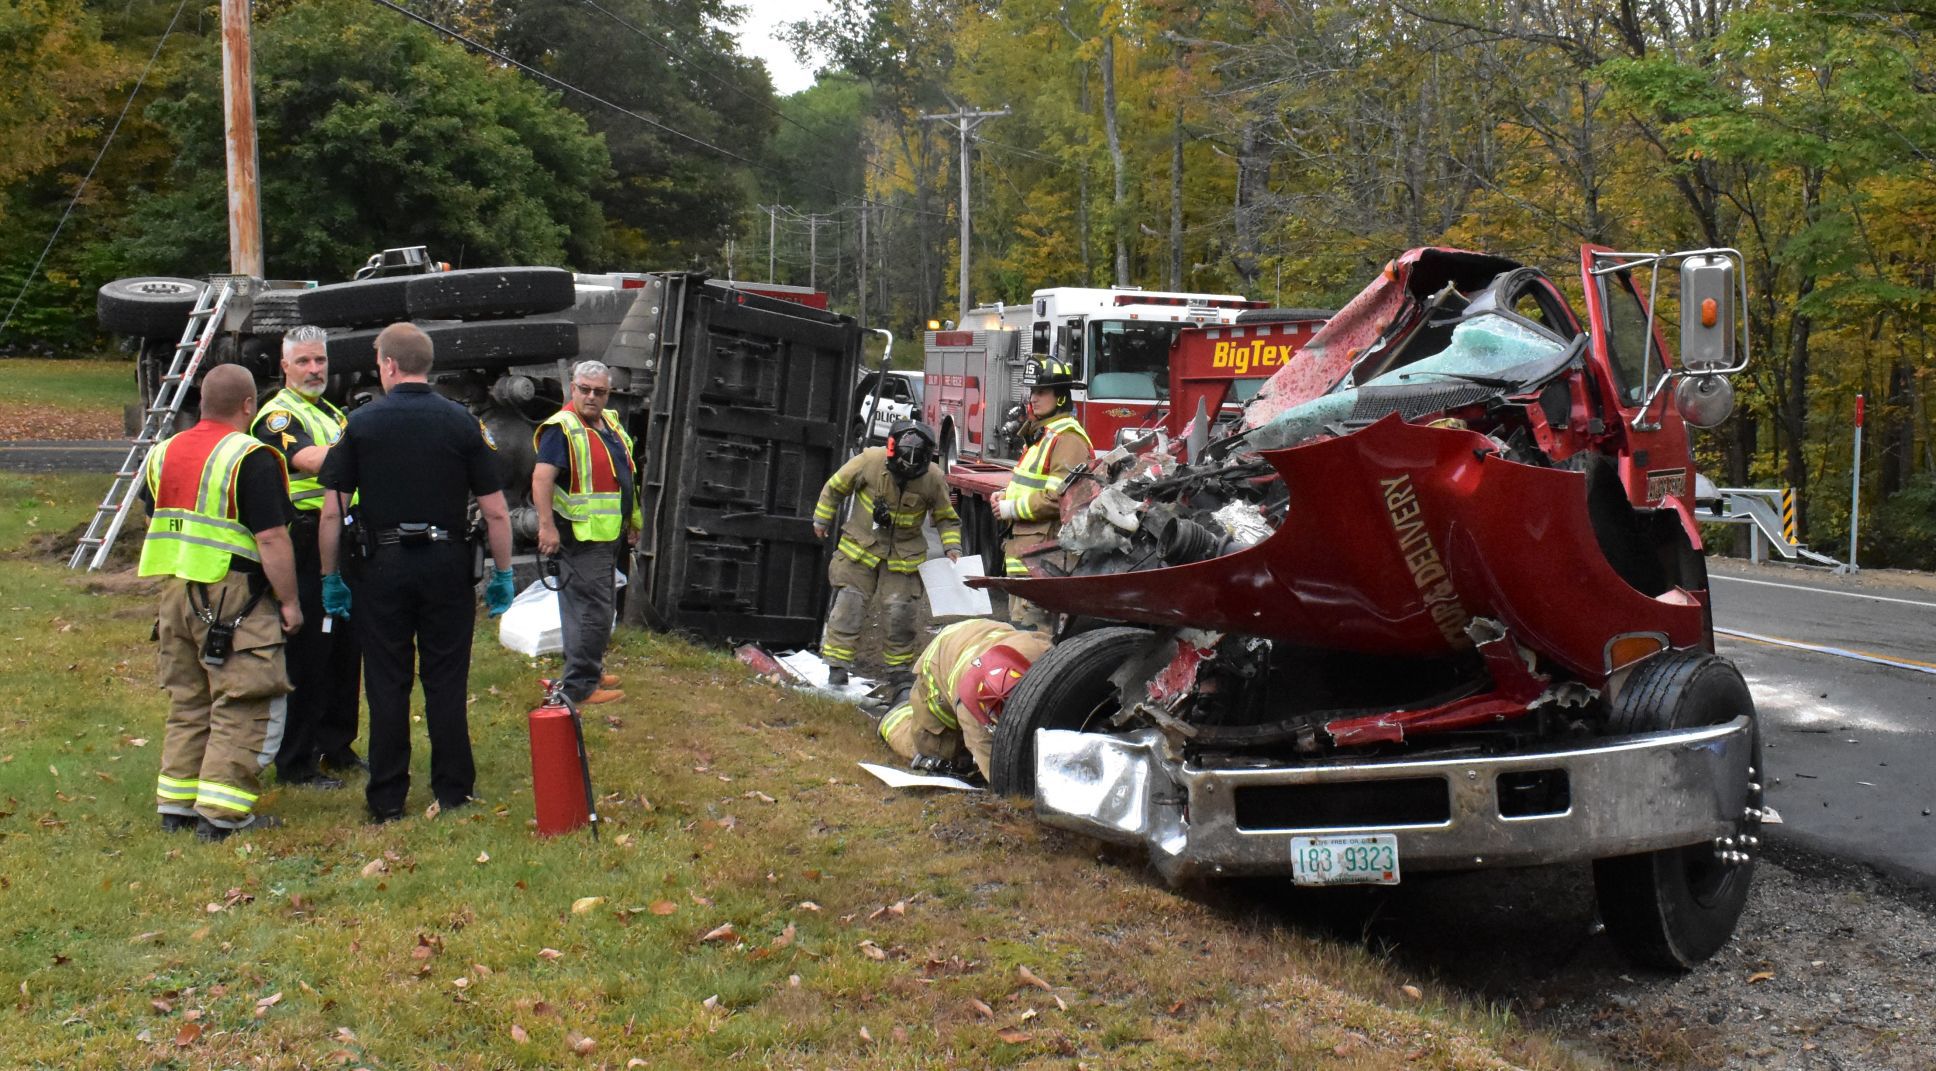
{"type": "Point", "coordinates": [483, 857]}
{"type": "Point", "coordinates": [162, 1007]}
{"type": "Point", "coordinates": [756, 794]}
{"type": "Point", "coordinates": [1412, 991]}
{"type": "Point", "coordinates": [809, 905]}
{"type": "Point", "coordinates": [549, 953]}
{"type": "Point", "coordinates": [636, 1062]}
{"type": "Point", "coordinates": [662, 907]}
{"type": "Point", "coordinates": [981, 1009]}
{"type": "Point", "coordinates": [723, 932]}
{"type": "Point", "coordinates": [1352, 1042]}
{"type": "Point", "coordinates": [142, 938]}
{"type": "Point", "coordinates": [623, 840]}
{"type": "Point", "coordinates": [270, 1001]}
{"type": "Point", "coordinates": [785, 938]}
{"type": "Point", "coordinates": [1028, 977]}
{"type": "Point", "coordinates": [585, 903]}
{"type": "Point", "coordinates": [1013, 1036]}
{"type": "Point", "coordinates": [872, 950]}
{"type": "Point", "coordinates": [187, 1034]}
{"type": "Point", "coordinates": [865, 1036]}
{"type": "Point", "coordinates": [461, 983]}
{"type": "Point", "coordinates": [375, 867]}
{"type": "Point", "coordinates": [710, 1003]}
{"type": "Point", "coordinates": [898, 909]}
{"type": "Point", "coordinates": [702, 901]}
{"type": "Point", "coordinates": [1761, 976]}
{"type": "Point", "coordinates": [579, 1043]}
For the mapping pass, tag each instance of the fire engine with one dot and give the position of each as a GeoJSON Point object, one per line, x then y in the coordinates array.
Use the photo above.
{"type": "Point", "coordinates": [1120, 340]}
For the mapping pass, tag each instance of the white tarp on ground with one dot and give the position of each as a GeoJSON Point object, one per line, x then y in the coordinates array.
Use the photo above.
{"type": "Point", "coordinates": [948, 592]}
{"type": "Point", "coordinates": [532, 626]}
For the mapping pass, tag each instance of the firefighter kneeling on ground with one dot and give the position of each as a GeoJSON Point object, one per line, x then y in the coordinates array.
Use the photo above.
{"type": "Point", "coordinates": [1032, 502]}
{"type": "Point", "coordinates": [895, 487]}
{"type": "Point", "coordinates": [960, 685]}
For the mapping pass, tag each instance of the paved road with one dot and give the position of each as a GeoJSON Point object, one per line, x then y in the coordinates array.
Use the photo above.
{"type": "Point", "coordinates": [1850, 744]}
{"type": "Point", "coordinates": [97, 456]}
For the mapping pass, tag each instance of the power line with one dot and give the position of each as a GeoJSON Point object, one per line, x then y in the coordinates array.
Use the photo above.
{"type": "Point", "coordinates": [621, 109]}
{"type": "Point", "coordinates": [78, 190]}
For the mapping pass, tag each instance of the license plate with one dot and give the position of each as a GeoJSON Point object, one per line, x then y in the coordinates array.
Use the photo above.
{"type": "Point", "coordinates": [1345, 859]}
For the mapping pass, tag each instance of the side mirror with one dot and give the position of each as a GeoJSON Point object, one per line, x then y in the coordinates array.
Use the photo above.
{"type": "Point", "coordinates": [1704, 401]}
{"type": "Point", "coordinates": [1707, 313]}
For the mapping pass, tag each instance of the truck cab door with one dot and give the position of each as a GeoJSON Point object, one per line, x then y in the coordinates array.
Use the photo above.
{"type": "Point", "coordinates": [1652, 453]}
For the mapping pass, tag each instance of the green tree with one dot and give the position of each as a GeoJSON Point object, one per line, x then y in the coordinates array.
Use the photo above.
{"type": "Point", "coordinates": [373, 133]}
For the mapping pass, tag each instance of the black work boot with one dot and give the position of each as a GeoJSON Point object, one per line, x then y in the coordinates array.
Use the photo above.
{"type": "Point", "coordinates": [208, 832]}
{"type": "Point", "coordinates": [178, 823]}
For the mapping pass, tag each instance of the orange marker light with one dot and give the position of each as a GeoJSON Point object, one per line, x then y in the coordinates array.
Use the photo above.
{"type": "Point", "coordinates": [1709, 311]}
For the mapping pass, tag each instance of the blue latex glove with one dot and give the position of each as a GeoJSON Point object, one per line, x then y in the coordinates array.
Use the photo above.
{"type": "Point", "coordinates": [499, 592]}
{"type": "Point", "coordinates": [336, 596]}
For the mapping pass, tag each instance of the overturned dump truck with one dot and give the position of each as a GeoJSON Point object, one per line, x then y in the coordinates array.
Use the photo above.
{"type": "Point", "coordinates": [738, 396]}
{"type": "Point", "coordinates": [1439, 603]}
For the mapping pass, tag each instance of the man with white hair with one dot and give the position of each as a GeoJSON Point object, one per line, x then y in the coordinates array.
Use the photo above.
{"type": "Point", "coordinates": [587, 475]}
{"type": "Point", "coordinates": [324, 661]}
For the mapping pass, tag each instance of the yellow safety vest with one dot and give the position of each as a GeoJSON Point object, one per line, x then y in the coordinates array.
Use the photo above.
{"type": "Point", "coordinates": [1032, 476]}
{"type": "Point", "coordinates": [191, 536]}
{"type": "Point", "coordinates": [324, 424]}
{"type": "Point", "coordinates": [595, 514]}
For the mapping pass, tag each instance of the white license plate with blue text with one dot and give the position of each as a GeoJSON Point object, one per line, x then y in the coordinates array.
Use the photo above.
{"type": "Point", "coordinates": [1345, 859]}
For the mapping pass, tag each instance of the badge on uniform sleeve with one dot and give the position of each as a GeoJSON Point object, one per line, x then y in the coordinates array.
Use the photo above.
{"type": "Point", "coordinates": [278, 420]}
{"type": "Point", "coordinates": [488, 441]}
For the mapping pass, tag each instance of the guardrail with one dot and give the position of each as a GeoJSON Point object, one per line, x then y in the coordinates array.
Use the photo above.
{"type": "Point", "coordinates": [1769, 513]}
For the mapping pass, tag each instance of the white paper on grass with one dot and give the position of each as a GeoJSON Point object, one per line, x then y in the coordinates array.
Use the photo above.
{"type": "Point", "coordinates": [948, 592]}
{"type": "Point", "coordinates": [812, 670]}
{"type": "Point", "coordinates": [894, 778]}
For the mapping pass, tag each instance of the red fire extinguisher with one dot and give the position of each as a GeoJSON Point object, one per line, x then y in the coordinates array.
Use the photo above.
{"type": "Point", "coordinates": [561, 773]}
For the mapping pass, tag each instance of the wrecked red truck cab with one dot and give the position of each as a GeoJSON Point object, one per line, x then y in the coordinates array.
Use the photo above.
{"type": "Point", "coordinates": [1438, 603]}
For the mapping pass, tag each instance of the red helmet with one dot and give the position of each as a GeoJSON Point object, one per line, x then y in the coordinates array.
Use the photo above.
{"type": "Point", "coordinates": [984, 685]}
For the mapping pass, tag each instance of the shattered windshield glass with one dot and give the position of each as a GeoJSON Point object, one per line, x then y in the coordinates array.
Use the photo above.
{"type": "Point", "coordinates": [1487, 348]}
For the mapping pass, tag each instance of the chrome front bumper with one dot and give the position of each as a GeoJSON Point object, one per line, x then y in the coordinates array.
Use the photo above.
{"type": "Point", "coordinates": [1622, 795]}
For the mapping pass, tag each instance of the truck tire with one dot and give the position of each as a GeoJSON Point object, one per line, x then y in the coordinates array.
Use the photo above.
{"type": "Point", "coordinates": [489, 293]}
{"type": "Point", "coordinates": [147, 306]}
{"type": "Point", "coordinates": [487, 345]}
{"type": "Point", "coordinates": [358, 303]}
{"type": "Point", "coordinates": [1067, 688]}
{"type": "Point", "coordinates": [1676, 907]}
{"type": "Point", "coordinates": [273, 312]}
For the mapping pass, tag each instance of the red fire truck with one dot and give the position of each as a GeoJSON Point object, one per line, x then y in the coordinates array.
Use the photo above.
{"type": "Point", "coordinates": [1127, 344]}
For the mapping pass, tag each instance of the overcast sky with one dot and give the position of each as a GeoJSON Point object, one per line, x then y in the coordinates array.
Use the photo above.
{"type": "Point", "coordinates": [759, 37]}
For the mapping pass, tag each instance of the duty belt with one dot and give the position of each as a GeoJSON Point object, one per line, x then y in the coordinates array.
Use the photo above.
{"type": "Point", "coordinates": [412, 534]}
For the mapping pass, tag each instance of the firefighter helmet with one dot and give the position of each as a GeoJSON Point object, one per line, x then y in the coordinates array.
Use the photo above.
{"type": "Point", "coordinates": [983, 687]}
{"type": "Point", "coordinates": [910, 449]}
{"type": "Point", "coordinates": [1044, 372]}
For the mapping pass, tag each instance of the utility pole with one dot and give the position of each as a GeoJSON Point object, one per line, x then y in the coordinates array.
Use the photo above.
{"type": "Point", "coordinates": [813, 252]}
{"type": "Point", "coordinates": [860, 291]}
{"type": "Point", "coordinates": [964, 122]}
{"type": "Point", "coordinates": [771, 228]}
{"type": "Point", "coordinates": [238, 92]}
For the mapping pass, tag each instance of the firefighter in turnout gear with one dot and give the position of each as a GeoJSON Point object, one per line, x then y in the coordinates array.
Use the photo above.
{"type": "Point", "coordinates": [895, 488]}
{"type": "Point", "coordinates": [960, 684]}
{"type": "Point", "coordinates": [325, 665]}
{"type": "Point", "coordinates": [216, 535]}
{"type": "Point", "coordinates": [1032, 502]}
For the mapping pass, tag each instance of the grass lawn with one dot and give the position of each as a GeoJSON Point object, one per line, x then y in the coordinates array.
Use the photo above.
{"type": "Point", "coordinates": [754, 900]}
{"type": "Point", "coordinates": [91, 383]}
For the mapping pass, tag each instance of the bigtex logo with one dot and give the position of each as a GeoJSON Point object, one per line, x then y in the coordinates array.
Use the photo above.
{"type": "Point", "coordinates": [1244, 356]}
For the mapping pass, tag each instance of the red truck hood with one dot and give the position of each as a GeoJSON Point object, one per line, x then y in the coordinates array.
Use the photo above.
{"type": "Point", "coordinates": [1397, 535]}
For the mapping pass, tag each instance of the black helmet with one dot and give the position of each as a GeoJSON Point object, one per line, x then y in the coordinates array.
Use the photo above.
{"type": "Point", "coordinates": [910, 449]}
{"type": "Point", "coordinates": [1043, 370]}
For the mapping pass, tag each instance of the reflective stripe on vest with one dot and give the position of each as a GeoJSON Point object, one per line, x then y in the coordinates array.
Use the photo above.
{"type": "Point", "coordinates": [191, 536]}
{"type": "Point", "coordinates": [324, 429]}
{"type": "Point", "coordinates": [1032, 475]}
{"type": "Point", "coordinates": [591, 497]}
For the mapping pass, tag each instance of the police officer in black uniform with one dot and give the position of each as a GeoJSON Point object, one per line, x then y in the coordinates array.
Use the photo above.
{"type": "Point", "coordinates": [416, 458]}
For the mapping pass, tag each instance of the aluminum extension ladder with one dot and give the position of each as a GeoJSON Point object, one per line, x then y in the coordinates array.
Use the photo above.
{"type": "Point", "coordinates": [204, 323]}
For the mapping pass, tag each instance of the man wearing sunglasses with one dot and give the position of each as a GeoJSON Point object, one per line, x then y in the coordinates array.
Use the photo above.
{"type": "Point", "coordinates": [586, 474]}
